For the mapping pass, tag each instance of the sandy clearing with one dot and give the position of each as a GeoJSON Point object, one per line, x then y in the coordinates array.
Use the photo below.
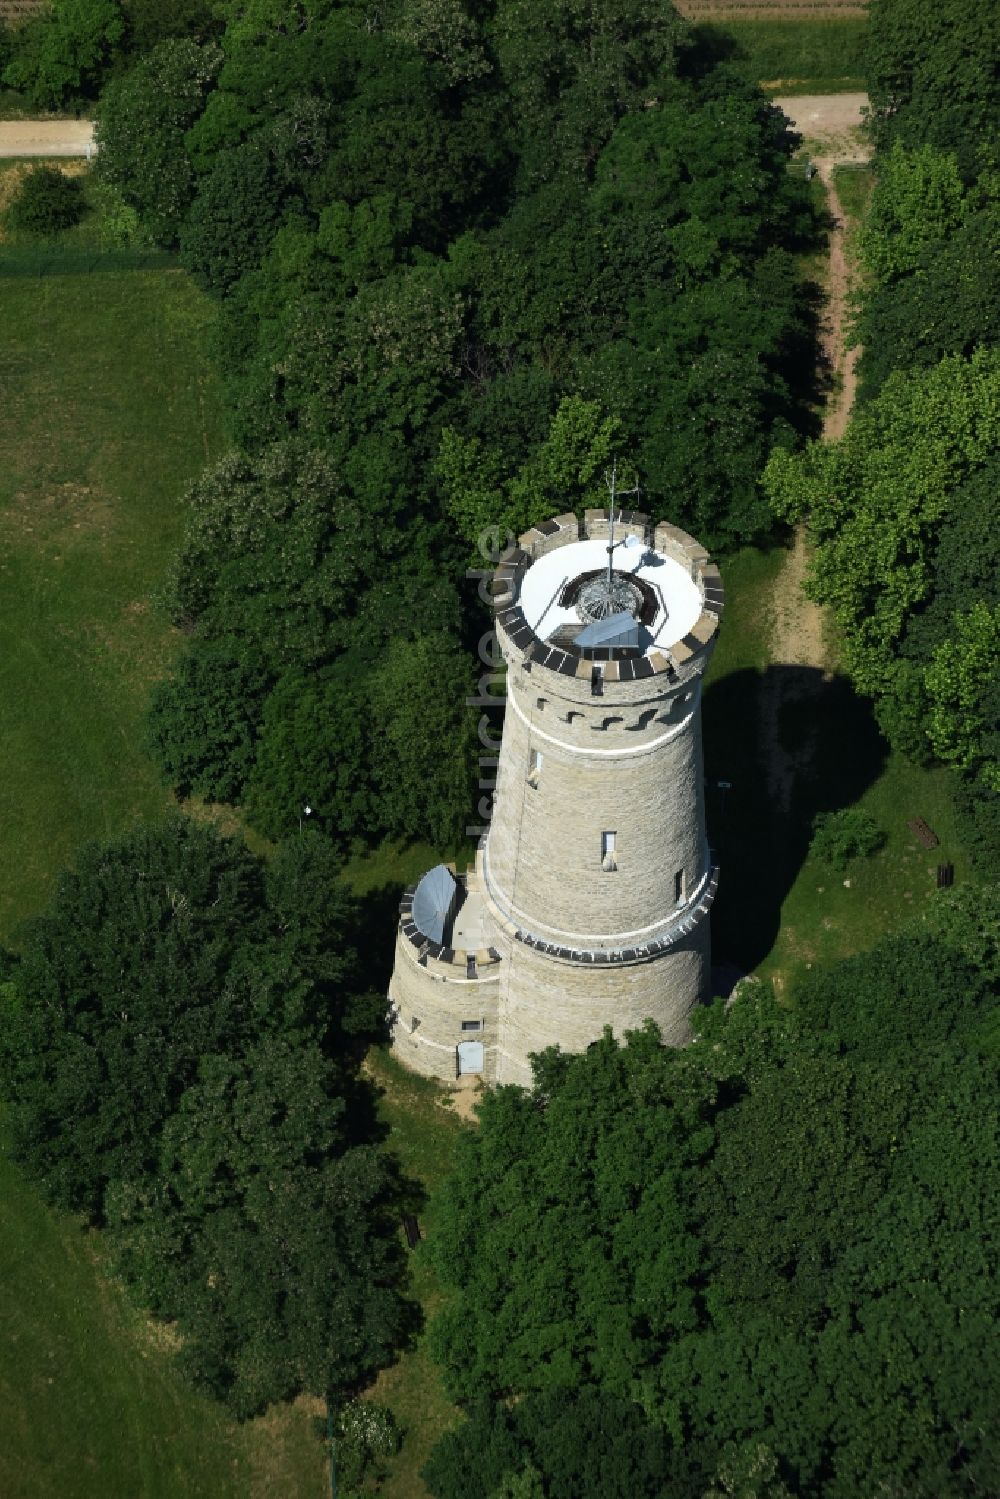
{"type": "Point", "coordinates": [815, 114]}
{"type": "Point", "coordinates": [46, 137]}
{"type": "Point", "coordinates": [842, 361]}
{"type": "Point", "coordinates": [830, 124]}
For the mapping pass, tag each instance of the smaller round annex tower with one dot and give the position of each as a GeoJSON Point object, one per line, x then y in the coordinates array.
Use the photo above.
{"type": "Point", "coordinates": [589, 902]}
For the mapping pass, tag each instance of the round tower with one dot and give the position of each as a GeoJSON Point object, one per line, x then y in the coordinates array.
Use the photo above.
{"type": "Point", "coordinates": [596, 874]}
{"type": "Point", "coordinates": [589, 903]}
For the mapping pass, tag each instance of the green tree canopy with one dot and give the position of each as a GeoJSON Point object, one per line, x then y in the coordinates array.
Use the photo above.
{"type": "Point", "coordinates": [567, 97]}
{"type": "Point", "coordinates": [563, 1231]}
{"type": "Point", "coordinates": [932, 70]}
{"type": "Point", "coordinates": [875, 501]}
{"type": "Point", "coordinates": [179, 1052]}
{"type": "Point", "coordinates": [918, 198]}
{"type": "Point", "coordinates": [963, 687]}
{"type": "Point", "coordinates": [560, 1444]}
{"type": "Point", "coordinates": [807, 1309]}
{"type": "Point", "coordinates": [157, 950]}
{"type": "Point", "coordinates": [263, 1233]}
{"type": "Point", "coordinates": [143, 116]}
{"type": "Point", "coordinates": [325, 667]}
{"type": "Point", "coordinates": [60, 54]}
{"type": "Point", "coordinates": [949, 303]}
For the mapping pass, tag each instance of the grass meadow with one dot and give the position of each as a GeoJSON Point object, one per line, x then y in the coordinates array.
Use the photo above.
{"type": "Point", "coordinates": [423, 1129]}
{"type": "Point", "coordinates": [91, 1404]}
{"type": "Point", "coordinates": [108, 408]}
{"type": "Point", "coordinates": [779, 910]}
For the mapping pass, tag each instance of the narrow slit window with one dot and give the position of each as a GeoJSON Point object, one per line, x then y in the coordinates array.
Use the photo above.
{"type": "Point", "coordinates": [535, 759]}
{"type": "Point", "coordinates": [679, 887]}
{"type": "Point", "coordinates": [609, 858]}
{"type": "Point", "coordinates": [472, 1025]}
{"type": "Point", "coordinates": [597, 681]}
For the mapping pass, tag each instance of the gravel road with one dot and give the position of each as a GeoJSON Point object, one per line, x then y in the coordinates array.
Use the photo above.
{"type": "Point", "coordinates": [45, 137]}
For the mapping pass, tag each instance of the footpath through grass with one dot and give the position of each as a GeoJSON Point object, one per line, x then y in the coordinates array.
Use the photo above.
{"type": "Point", "coordinates": [780, 911]}
{"type": "Point", "coordinates": [854, 182]}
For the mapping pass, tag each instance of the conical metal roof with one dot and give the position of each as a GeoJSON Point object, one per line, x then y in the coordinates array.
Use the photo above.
{"type": "Point", "coordinates": [617, 629]}
{"type": "Point", "coordinates": [433, 900]}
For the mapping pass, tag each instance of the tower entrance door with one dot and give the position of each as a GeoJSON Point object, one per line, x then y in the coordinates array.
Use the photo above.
{"type": "Point", "coordinates": [470, 1057]}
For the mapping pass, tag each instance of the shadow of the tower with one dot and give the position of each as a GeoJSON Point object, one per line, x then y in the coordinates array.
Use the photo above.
{"type": "Point", "coordinates": [785, 744]}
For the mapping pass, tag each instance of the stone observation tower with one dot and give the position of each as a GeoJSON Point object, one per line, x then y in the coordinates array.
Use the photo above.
{"type": "Point", "coordinates": [589, 902]}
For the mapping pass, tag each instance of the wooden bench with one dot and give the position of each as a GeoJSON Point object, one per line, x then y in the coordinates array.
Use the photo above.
{"type": "Point", "coordinates": [923, 833]}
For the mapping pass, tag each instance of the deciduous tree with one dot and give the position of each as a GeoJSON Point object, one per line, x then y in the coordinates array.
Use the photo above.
{"type": "Point", "coordinates": [143, 116]}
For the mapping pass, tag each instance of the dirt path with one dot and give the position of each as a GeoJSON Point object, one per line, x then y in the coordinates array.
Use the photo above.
{"type": "Point", "coordinates": [462, 1099]}
{"type": "Point", "coordinates": [830, 127]}
{"type": "Point", "coordinates": [46, 137]}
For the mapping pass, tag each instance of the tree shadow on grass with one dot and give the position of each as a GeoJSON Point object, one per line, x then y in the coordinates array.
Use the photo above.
{"type": "Point", "coordinates": [375, 933]}
{"type": "Point", "coordinates": [791, 741]}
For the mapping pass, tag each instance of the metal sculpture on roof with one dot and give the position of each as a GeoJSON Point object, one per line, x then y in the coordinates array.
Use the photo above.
{"type": "Point", "coordinates": [434, 901]}
{"type": "Point", "coordinates": [611, 593]}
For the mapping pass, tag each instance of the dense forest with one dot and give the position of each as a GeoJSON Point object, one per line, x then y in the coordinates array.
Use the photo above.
{"type": "Point", "coordinates": [464, 251]}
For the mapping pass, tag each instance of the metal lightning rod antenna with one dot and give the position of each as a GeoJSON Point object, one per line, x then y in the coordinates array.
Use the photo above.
{"type": "Point", "coordinates": [611, 522]}
{"type": "Point", "coordinates": [612, 483]}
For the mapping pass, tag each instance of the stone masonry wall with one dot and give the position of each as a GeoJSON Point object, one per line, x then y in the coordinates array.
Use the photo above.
{"type": "Point", "coordinates": [543, 854]}
{"type": "Point", "coordinates": [430, 1001]}
{"type": "Point", "coordinates": [545, 1001]}
{"type": "Point", "coordinates": [576, 762]}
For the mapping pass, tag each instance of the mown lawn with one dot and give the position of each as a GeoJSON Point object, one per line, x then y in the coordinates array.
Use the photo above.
{"type": "Point", "coordinates": [108, 408]}
{"type": "Point", "coordinates": [812, 54]}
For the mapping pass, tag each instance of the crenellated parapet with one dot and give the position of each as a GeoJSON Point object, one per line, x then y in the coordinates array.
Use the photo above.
{"type": "Point", "coordinates": [523, 630]}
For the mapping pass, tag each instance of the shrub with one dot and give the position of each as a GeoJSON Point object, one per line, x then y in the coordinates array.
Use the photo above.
{"type": "Point", "coordinates": [839, 837]}
{"type": "Point", "coordinates": [203, 723]}
{"type": "Point", "coordinates": [366, 1435]}
{"type": "Point", "coordinates": [977, 812]}
{"type": "Point", "coordinates": [47, 202]}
